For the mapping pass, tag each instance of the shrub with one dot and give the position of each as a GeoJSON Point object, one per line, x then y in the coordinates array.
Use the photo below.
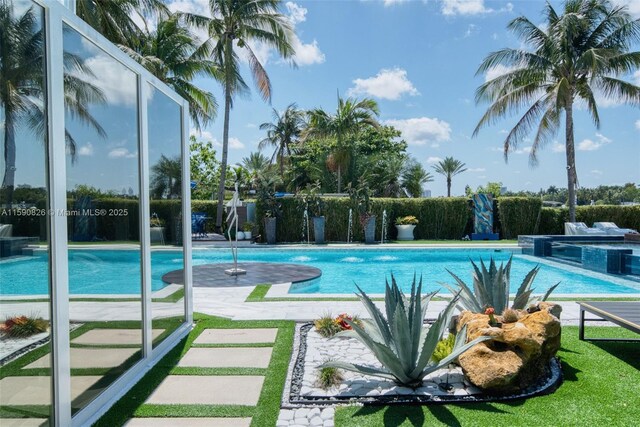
{"type": "Point", "coordinates": [491, 288]}
{"type": "Point", "coordinates": [518, 215]}
{"type": "Point", "coordinates": [407, 220]}
{"type": "Point", "coordinates": [326, 326]}
{"type": "Point", "coordinates": [399, 341]}
{"type": "Point", "coordinates": [329, 377]}
{"type": "Point", "coordinates": [444, 348]}
{"type": "Point", "coordinates": [342, 321]}
{"type": "Point", "coordinates": [24, 326]}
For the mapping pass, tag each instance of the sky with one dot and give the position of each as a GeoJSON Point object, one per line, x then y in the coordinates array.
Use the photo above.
{"type": "Point", "coordinates": [418, 60]}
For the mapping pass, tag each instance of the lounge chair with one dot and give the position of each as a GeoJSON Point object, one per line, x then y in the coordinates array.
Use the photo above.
{"type": "Point", "coordinates": [581, 229]}
{"type": "Point", "coordinates": [613, 229]}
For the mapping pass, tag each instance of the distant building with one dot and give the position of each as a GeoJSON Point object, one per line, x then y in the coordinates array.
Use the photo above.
{"type": "Point", "coordinates": [503, 190]}
{"type": "Point", "coordinates": [426, 193]}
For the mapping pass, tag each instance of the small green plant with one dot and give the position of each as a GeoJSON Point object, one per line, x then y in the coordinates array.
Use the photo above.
{"type": "Point", "coordinates": [444, 348]}
{"type": "Point", "coordinates": [327, 326]}
{"type": "Point", "coordinates": [401, 342]}
{"type": "Point", "coordinates": [491, 288]}
{"type": "Point", "coordinates": [311, 200]}
{"type": "Point", "coordinates": [24, 326]}
{"type": "Point", "coordinates": [407, 220]}
{"type": "Point", "coordinates": [510, 316]}
{"type": "Point", "coordinates": [248, 226]}
{"type": "Point", "coordinates": [329, 377]}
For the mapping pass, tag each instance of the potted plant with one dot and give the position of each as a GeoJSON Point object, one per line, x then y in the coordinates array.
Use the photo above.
{"type": "Point", "coordinates": [247, 228]}
{"type": "Point", "coordinates": [314, 205]}
{"type": "Point", "coordinates": [405, 226]}
{"type": "Point", "coordinates": [361, 202]}
{"type": "Point", "coordinates": [270, 208]}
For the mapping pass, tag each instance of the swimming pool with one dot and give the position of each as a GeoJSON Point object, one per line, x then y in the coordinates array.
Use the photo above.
{"type": "Point", "coordinates": [118, 271]}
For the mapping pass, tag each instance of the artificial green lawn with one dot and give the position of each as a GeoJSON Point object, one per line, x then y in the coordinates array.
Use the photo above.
{"type": "Point", "coordinates": [601, 388]}
{"type": "Point", "coordinates": [264, 414]}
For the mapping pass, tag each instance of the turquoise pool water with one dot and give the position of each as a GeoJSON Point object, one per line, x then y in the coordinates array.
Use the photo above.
{"type": "Point", "coordinates": [118, 272]}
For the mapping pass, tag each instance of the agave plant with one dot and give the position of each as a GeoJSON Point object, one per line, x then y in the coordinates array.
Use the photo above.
{"type": "Point", "coordinates": [491, 288]}
{"type": "Point", "coordinates": [401, 342]}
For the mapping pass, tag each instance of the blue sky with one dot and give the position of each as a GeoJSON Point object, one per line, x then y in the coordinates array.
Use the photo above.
{"type": "Point", "coordinates": [418, 60]}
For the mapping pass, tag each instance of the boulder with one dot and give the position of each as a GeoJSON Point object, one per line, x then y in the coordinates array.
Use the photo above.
{"type": "Point", "coordinates": [517, 356]}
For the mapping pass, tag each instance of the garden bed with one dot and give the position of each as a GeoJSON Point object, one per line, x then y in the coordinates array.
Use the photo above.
{"type": "Point", "coordinates": [445, 386]}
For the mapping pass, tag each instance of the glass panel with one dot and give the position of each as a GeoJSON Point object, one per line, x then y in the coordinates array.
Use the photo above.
{"type": "Point", "coordinates": [103, 217]}
{"type": "Point", "coordinates": [165, 181]}
{"type": "Point", "coordinates": [25, 374]}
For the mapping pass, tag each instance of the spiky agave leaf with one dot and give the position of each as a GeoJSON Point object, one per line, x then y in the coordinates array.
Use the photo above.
{"type": "Point", "coordinates": [401, 343]}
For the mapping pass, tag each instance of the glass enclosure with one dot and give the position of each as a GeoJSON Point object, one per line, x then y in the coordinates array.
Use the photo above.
{"type": "Point", "coordinates": [91, 208]}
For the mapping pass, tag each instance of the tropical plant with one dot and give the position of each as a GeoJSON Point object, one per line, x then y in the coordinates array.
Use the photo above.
{"type": "Point", "coordinates": [444, 347]}
{"type": "Point", "coordinates": [311, 200]}
{"type": "Point", "coordinates": [24, 326]}
{"type": "Point", "coordinates": [22, 86]}
{"type": "Point", "coordinates": [577, 56]}
{"type": "Point", "coordinates": [115, 19]}
{"type": "Point", "coordinates": [173, 54]}
{"type": "Point", "coordinates": [205, 168]}
{"type": "Point", "coordinates": [401, 342]}
{"type": "Point", "coordinates": [491, 288]}
{"type": "Point", "coordinates": [360, 199]}
{"type": "Point", "coordinates": [414, 176]}
{"type": "Point", "coordinates": [326, 326]}
{"type": "Point", "coordinates": [256, 165]}
{"type": "Point", "coordinates": [351, 117]}
{"type": "Point", "coordinates": [449, 167]}
{"type": "Point", "coordinates": [166, 178]}
{"type": "Point", "coordinates": [283, 133]}
{"type": "Point", "coordinates": [232, 27]}
{"type": "Point", "coordinates": [248, 226]}
{"type": "Point", "coordinates": [329, 377]}
{"type": "Point", "coordinates": [407, 220]}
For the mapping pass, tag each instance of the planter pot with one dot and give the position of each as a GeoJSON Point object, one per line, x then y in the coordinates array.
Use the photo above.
{"type": "Point", "coordinates": [270, 230]}
{"type": "Point", "coordinates": [318, 229]}
{"type": "Point", "coordinates": [405, 232]}
{"type": "Point", "coordinates": [247, 235]}
{"type": "Point", "coordinates": [240, 235]}
{"type": "Point", "coordinates": [370, 230]}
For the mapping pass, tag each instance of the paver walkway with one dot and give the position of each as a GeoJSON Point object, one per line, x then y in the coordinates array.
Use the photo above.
{"type": "Point", "coordinates": [213, 349]}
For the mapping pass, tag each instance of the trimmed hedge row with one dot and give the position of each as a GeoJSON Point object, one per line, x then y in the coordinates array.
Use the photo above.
{"type": "Point", "coordinates": [517, 215]}
{"type": "Point", "coordinates": [552, 219]}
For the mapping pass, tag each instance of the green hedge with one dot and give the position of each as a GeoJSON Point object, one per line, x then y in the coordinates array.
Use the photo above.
{"type": "Point", "coordinates": [552, 219]}
{"type": "Point", "coordinates": [518, 215]}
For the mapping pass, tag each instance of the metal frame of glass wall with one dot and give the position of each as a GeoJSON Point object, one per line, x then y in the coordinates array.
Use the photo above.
{"type": "Point", "coordinates": [56, 16]}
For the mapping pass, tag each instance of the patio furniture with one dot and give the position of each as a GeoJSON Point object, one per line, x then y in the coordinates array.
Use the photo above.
{"type": "Point", "coordinates": [613, 229]}
{"type": "Point", "coordinates": [581, 229]}
{"type": "Point", "coordinates": [622, 313]}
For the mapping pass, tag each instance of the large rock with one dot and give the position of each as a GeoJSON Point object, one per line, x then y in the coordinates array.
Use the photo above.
{"type": "Point", "coordinates": [519, 353]}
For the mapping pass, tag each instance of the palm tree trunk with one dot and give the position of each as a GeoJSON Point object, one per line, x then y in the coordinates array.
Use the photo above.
{"type": "Point", "coordinates": [448, 186]}
{"type": "Point", "coordinates": [8, 181]}
{"type": "Point", "coordinates": [225, 135]}
{"type": "Point", "coordinates": [572, 176]}
{"type": "Point", "coordinates": [339, 178]}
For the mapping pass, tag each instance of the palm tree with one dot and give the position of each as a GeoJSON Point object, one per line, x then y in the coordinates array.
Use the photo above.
{"type": "Point", "coordinates": [166, 178]}
{"type": "Point", "coordinates": [114, 18]}
{"type": "Point", "coordinates": [173, 54]}
{"type": "Point", "coordinates": [283, 133]}
{"type": "Point", "coordinates": [351, 117]}
{"type": "Point", "coordinates": [22, 86]}
{"type": "Point", "coordinates": [413, 177]}
{"type": "Point", "coordinates": [575, 57]}
{"type": "Point", "coordinates": [449, 167]}
{"type": "Point", "coordinates": [233, 25]}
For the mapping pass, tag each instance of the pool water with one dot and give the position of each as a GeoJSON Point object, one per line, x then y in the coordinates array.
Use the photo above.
{"type": "Point", "coordinates": [118, 271]}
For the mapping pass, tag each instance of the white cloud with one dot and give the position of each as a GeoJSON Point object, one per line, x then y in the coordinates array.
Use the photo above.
{"type": "Point", "coordinates": [596, 172]}
{"type": "Point", "coordinates": [634, 6]}
{"type": "Point", "coordinates": [307, 53]}
{"type": "Point", "coordinates": [638, 124]}
{"type": "Point", "coordinates": [558, 148]}
{"type": "Point", "coordinates": [387, 84]}
{"type": "Point", "coordinates": [117, 84]}
{"type": "Point", "coordinates": [388, 3]}
{"type": "Point", "coordinates": [523, 150]}
{"type": "Point", "coordinates": [477, 170]}
{"type": "Point", "coordinates": [432, 160]}
{"type": "Point", "coordinates": [470, 7]}
{"type": "Point", "coordinates": [497, 71]}
{"type": "Point", "coordinates": [591, 145]}
{"type": "Point", "coordinates": [235, 144]}
{"type": "Point", "coordinates": [472, 29]}
{"type": "Point", "coordinates": [121, 153]}
{"type": "Point", "coordinates": [422, 130]}
{"type": "Point", "coordinates": [86, 150]}
{"type": "Point", "coordinates": [297, 13]}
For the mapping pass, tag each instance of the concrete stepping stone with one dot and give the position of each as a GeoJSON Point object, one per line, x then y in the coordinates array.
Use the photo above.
{"type": "Point", "coordinates": [237, 336]}
{"type": "Point", "coordinates": [99, 336]}
{"type": "Point", "coordinates": [227, 357]}
{"type": "Point", "coordinates": [24, 422]}
{"type": "Point", "coordinates": [188, 422]}
{"type": "Point", "coordinates": [208, 390]}
{"type": "Point", "coordinates": [90, 358]}
{"type": "Point", "coordinates": [36, 390]}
